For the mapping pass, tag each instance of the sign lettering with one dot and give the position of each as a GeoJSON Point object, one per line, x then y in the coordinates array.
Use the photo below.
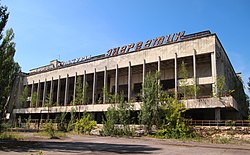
{"type": "Point", "coordinates": [147, 44]}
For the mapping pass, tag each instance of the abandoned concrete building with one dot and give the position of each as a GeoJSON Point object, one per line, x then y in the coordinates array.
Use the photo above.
{"type": "Point", "coordinates": [123, 69]}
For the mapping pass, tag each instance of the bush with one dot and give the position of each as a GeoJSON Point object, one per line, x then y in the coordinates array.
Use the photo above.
{"type": "Point", "coordinates": [176, 126]}
{"type": "Point", "coordinates": [61, 122]}
{"type": "Point", "coordinates": [4, 126]}
{"type": "Point", "coordinates": [50, 129]}
{"type": "Point", "coordinates": [85, 124]}
{"type": "Point", "coordinates": [10, 136]}
{"type": "Point", "coordinates": [230, 123]}
{"type": "Point", "coordinates": [72, 121]}
{"type": "Point", "coordinates": [118, 113]}
{"type": "Point", "coordinates": [28, 122]}
{"type": "Point", "coordinates": [222, 139]}
{"type": "Point", "coordinates": [249, 120]}
{"type": "Point", "coordinates": [19, 121]}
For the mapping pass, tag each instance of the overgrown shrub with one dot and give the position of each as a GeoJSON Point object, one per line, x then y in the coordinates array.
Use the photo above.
{"type": "Point", "coordinates": [61, 122]}
{"type": "Point", "coordinates": [72, 121]}
{"type": "Point", "coordinates": [33, 99]}
{"type": "Point", "coordinates": [49, 129]}
{"type": "Point", "coordinates": [118, 113]}
{"type": "Point", "coordinates": [10, 136]}
{"type": "Point", "coordinates": [85, 124]}
{"type": "Point", "coordinates": [4, 126]}
{"type": "Point", "coordinates": [28, 122]}
{"type": "Point", "coordinates": [19, 121]}
{"type": "Point", "coordinates": [230, 123]}
{"type": "Point", "coordinates": [176, 126]}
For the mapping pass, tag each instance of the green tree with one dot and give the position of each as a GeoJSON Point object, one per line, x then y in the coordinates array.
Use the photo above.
{"type": "Point", "coordinates": [248, 84]}
{"type": "Point", "coordinates": [48, 103]}
{"type": "Point", "coordinates": [79, 91]}
{"type": "Point", "coordinates": [188, 90]}
{"type": "Point", "coordinates": [106, 94]}
{"type": "Point", "coordinates": [109, 124]}
{"type": "Point", "coordinates": [33, 99]}
{"type": "Point", "coordinates": [72, 120]}
{"type": "Point", "coordinates": [8, 67]}
{"type": "Point", "coordinates": [221, 85]}
{"type": "Point", "coordinates": [124, 114]}
{"type": "Point", "coordinates": [61, 121]}
{"type": "Point", "coordinates": [24, 96]}
{"type": "Point", "coordinates": [150, 108]}
{"type": "Point", "coordinates": [85, 95]}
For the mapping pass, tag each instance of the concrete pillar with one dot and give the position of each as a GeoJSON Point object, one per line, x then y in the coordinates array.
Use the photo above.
{"type": "Point", "coordinates": [159, 69]}
{"type": "Point", "coordinates": [44, 92]}
{"type": "Point", "coordinates": [94, 87]}
{"type": "Point", "coordinates": [116, 80]}
{"type": "Point", "coordinates": [105, 84]}
{"type": "Point", "coordinates": [129, 81]}
{"type": "Point", "coordinates": [83, 86]}
{"type": "Point", "coordinates": [175, 75]}
{"type": "Point", "coordinates": [31, 94]}
{"type": "Point", "coordinates": [143, 75]}
{"type": "Point", "coordinates": [58, 91]}
{"type": "Point", "coordinates": [217, 114]}
{"type": "Point", "coordinates": [66, 90]}
{"type": "Point", "coordinates": [51, 92]}
{"type": "Point", "coordinates": [214, 73]}
{"type": "Point", "coordinates": [74, 94]}
{"type": "Point", "coordinates": [194, 69]}
{"type": "Point", "coordinates": [38, 94]}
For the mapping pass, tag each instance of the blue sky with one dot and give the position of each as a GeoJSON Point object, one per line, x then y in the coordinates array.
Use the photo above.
{"type": "Point", "coordinates": [45, 29]}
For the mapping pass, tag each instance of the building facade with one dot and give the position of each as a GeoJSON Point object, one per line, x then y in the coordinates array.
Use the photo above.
{"type": "Point", "coordinates": [123, 69]}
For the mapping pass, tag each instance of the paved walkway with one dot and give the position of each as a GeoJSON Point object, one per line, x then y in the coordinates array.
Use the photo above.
{"type": "Point", "coordinates": [111, 145]}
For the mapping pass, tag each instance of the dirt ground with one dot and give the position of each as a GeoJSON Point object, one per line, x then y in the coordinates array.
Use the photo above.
{"type": "Point", "coordinates": [82, 144]}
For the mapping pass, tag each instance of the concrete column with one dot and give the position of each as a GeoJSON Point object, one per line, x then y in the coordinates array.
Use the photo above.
{"type": "Point", "coordinates": [116, 80]}
{"type": "Point", "coordinates": [31, 94]}
{"type": "Point", "coordinates": [105, 84]}
{"type": "Point", "coordinates": [58, 91]}
{"type": "Point", "coordinates": [51, 92]}
{"type": "Point", "coordinates": [175, 75]}
{"type": "Point", "coordinates": [44, 92]}
{"type": "Point", "coordinates": [214, 73]}
{"type": "Point", "coordinates": [194, 69]}
{"type": "Point", "coordinates": [66, 90]}
{"type": "Point", "coordinates": [217, 114]}
{"type": "Point", "coordinates": [159, 69]}
{"type": "Point", "coordinates": [129, 81]}
{"type": "Point", "coordinates": [74, 95]}
{"type": "Point", "coordinates": [143, 75]}
{"type": "Point", "coordinates": [94, 86]}
{"type": "Point", "coordinates": [83, 86]}
{"type": "Point", "coordinates": [38, 94]}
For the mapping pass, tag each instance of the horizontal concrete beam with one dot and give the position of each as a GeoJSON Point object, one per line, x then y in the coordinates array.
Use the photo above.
{"type": "Point", "coordinates": [200, 81]}
{"type": "Point", "coordinates": [223, 102]}
{"type": "Point", "coordinates": [77, 108]}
